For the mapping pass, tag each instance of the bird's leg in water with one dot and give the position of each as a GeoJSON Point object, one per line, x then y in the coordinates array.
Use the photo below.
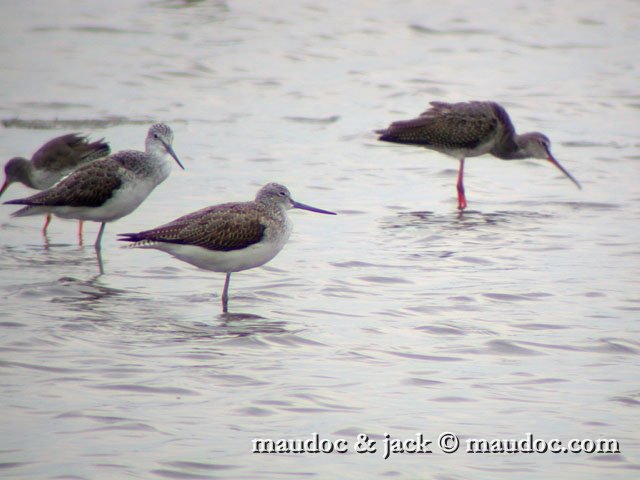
{"type": "Point", "coordinates": [462, 200]}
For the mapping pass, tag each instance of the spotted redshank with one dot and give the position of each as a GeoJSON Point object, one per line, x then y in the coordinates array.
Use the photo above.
{"type": "Point", "coordinates": [229, 237]}
{"type": "Point", "coordinates": [55, 159]}
{"type": "Point", "coordinates": [470, 129]}
{"type": "Point", "coordinates": [109, 188]}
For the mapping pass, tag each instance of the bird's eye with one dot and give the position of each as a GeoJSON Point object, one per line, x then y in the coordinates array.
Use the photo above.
{"type": "Point", "coordinates": [282, 193]}
{"type": "Point", "coordinates": [155, 135]}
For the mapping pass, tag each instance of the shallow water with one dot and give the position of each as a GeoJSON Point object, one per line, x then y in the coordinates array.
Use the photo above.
{"type": "Point", "coordinates": [397, 316]}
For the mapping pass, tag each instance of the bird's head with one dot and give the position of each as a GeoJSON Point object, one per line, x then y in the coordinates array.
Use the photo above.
{"type": "Point", "coordinates": [535, 145]}
{"type": "Point", "coordinates": [538, 145]}
{"type": "Point", "coordinates": [14, 170]}
{"type": "Point", "coordinates": [160, 137]}
{"type": "Point", "coordinates": [276, 194]}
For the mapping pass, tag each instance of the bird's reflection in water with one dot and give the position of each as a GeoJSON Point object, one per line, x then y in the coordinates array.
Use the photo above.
{"type": "Point", "coordinates": [231, 317]}
{"type": "Point", "coordinates": [229, 325]}
{"type": "Point", "coordinates": [99, 259]}
{"type": "Point", "coordinates": [85, 292]}
{"type": "Point", "coordinates": [51, 255]}
{"type": "Point", "coordinates": [470, 220]}
{"type": "Point", "coordinates": [46, 241]}
{"type": "Point", "coordinates": [244, 324]}
{"type": "Point", "coordinates": [49, 247]}
{"type": "Point", "coordinates": [426, 219]}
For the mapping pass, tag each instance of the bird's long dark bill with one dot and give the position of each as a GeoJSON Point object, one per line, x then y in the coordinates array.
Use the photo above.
{"type": "Point", "coordinates": [4, 186]}
{"type": "Point", "coordinates": [173, 154]}
{"type": "Point", "coordinates": [302, 206]}
{"type": "Point", "coordinates": [561, 168]}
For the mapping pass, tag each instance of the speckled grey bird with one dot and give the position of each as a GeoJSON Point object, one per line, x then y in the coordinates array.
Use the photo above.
{"type": "Point", "coordinates": [109, 188]}
{"type": "Point", "coordinates": [229, 237]}
{"type": "Point", "coordinates": [51, 162]}
{"type": "Point", "coordinates": [470, 129]}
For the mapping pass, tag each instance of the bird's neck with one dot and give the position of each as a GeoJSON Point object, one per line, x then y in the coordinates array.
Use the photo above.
{"type": "Point", "coordinates": [162, 167]}
{"type": "Point", "coordinates": [158, 162]}
{"type": "Point", "coordinates": [274, 209]}
{"type": "Point", "coordinates": [511, 148]}
{"type": "Point", "coordinates": [156, 151]}
{"type": "Point", "coordinates": [25, 173]}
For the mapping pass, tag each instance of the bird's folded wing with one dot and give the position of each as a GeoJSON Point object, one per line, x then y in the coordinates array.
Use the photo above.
{"type": "Point", "coordinates": [57, 151]}
{"type": "Point", "coordinates": [444, 125]}
{"type": "Point", "coordinates": [222, 227]}
{"type": "Point", "coordinates": [89, 186]}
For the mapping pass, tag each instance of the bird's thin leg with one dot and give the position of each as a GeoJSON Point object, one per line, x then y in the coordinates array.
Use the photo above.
{"type": "Point", "coordinates": [80, 232]}
{"type": "Point", "coordinates": [98, 247]}
{"type": "Point", "coordinates": [99, 258]}
{"type": "Point", "coordinates": [462, 201]}
{"type": "Point", "coordinates": [225, 293]}
{"type": "Point", "coordinates": [47, 221]}
{"type": "Point", "coordinates": [98, 243]}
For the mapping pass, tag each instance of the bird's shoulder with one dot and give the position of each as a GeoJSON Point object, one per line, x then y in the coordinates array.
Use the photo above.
{"type": "Point", "coordinates": [128, 159]}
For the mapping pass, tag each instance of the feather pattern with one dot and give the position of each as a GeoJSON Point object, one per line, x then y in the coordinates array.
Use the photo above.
{"type": "Point", "coordinates": [470, 129]}
{"type": "Point", "coordinates": [225, 227]}
{"type": "Point", "coordinates": [447, 126]}
{"type": "Point", "coordinates": [89, 186]}
{"type": "Point", "coordinates": [67, 151]}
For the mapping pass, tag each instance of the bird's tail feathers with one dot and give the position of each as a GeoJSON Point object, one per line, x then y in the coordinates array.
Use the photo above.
{"type": "Point", "coordinates": [100, 149]}
{"type": "Point", "coordinates": [25, 211]}
{"type": "Point", "coordinates": [137, 240]}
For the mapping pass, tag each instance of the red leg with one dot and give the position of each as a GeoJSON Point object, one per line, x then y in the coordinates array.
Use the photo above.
{"type": "Point", "coordinates": [462, 201]}
{"type": "Point", "coordinates": [46, 224]}
{"type": "Point", "coordinates": [79, 232]}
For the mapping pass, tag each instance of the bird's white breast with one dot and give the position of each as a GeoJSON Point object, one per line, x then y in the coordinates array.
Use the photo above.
{"type": "Point", "coordinates": [43, 178]}
{"type": "Point", "coordinates": [219, 261]}
{"type": "Point", "coordinates": [122, 202]}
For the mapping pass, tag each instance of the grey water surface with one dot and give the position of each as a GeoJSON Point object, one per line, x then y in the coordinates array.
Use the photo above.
{"type": "Point", "coordinates": [398, 316]}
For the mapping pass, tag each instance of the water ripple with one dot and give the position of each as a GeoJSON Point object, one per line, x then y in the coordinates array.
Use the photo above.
{"type": "Point", "coordinates": [505, 347]}
{"type": "Point", "coordinates": [320, 121]}
{"type": "Point", "coordinates": [441, 330]}
{"type": "Point", "coordinates": [78, 124]}
{"type": "Point", "coordinates": [132, 388]}
{"type": "Point", "coordinates": [429, 358]}
{"type": "Point", "coordinates": [626, 400]}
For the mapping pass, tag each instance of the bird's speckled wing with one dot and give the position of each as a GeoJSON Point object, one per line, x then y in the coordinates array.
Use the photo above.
{"type": "Point", "coordinates": [226, 227]}
{"type": "Point", "coordinates": [68, 151]}
{"type": "Point", "coordinates": [446, 125]}
{"type": "Point", "coordinates": [89, 186]}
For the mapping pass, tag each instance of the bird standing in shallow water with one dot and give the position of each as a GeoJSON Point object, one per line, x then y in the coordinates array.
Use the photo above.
{"type": "Point", "coordinates": [229, 237]}
{"type": "Point", "coordinates": [468, 130]}
{"type": "Point", "coordinates": [55, 159]}
{"type": "Point", "coordinates": [109, 188]}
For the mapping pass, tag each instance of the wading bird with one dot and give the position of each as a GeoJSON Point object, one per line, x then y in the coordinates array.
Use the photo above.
{"type": "Point", "coordinates": [51, 162]}
{"type": "Point", "coordinates": [229, 237]}
{"type": "Point", "coordinates": [109, 188]}
{"type": "Point", "coordinates": [470, 129]}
